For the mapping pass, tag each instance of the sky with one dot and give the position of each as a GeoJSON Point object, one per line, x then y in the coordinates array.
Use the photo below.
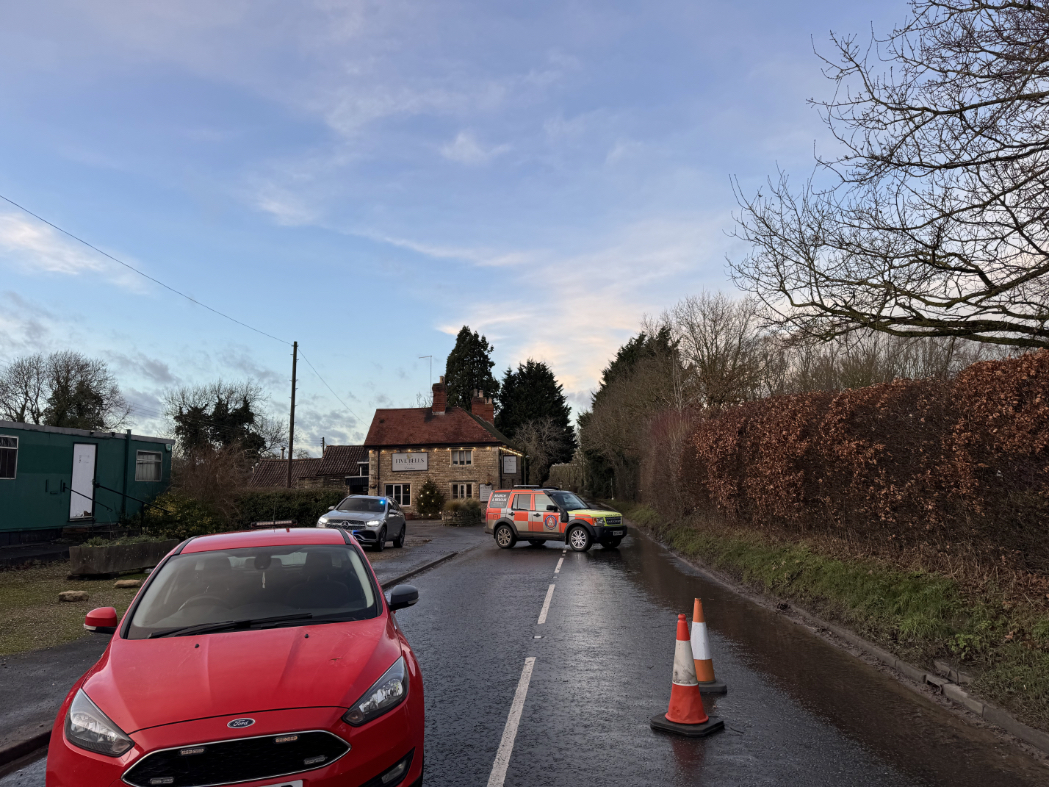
{"type": "Point", "coordinates": [366, 178]}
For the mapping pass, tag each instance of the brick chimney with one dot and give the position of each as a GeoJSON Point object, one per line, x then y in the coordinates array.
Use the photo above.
{"type": "Point", "coordinates": [440, 398]}
{"type": "Point", "coordinates": [483, 407]}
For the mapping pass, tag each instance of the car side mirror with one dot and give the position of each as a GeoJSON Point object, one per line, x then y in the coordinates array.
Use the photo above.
{"type": "Point", "coordinates": [564, 515]}
{"type": "Point", "coordinates": [331, 508]}
{"type": "Point", "coordinates": [101, 621]}
{"type": "Point", "coordinates": [403, 596]}
{"type": "Point", "coordinates": [552, 508]}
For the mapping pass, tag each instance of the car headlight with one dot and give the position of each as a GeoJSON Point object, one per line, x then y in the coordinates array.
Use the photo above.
{"type": "Point", "coordinates": [385, 694]}
{"type": "Point", "coordinates": [323, 521]}
{"type": "Point", "coordinates": [89, 728]}
{"type": "Point", "coordinates": [599, 520]}
{"type": "Point", "coordinates": [373, 522]}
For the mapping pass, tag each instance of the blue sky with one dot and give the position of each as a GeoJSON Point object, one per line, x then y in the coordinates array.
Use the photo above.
{"type": "Point", "coordinates": [366, 178]}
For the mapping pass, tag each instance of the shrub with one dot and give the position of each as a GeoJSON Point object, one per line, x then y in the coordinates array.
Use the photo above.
{"type": "Point", "coordinates": [303, 506]}
{"type": "Point", "coordinates": [174, 515]}
{"type": "Point", "coordinates": [430, 500]}
{"type": "Point", "coordinates": [464, 512]}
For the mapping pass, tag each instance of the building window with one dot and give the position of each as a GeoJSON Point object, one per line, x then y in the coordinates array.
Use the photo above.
{"type": "Point", "coordinates": [362, 468]}
{"type": "Point", "coordinates": [401, 494]}
{"type": "Point", "coordinates": [462, 491]}
{"type": "Point", "coordinates": [465, 457]}
{"type": "Point", "coordinates": [147, 466]}
{"type": "Point", "coordinates": [8, 456]}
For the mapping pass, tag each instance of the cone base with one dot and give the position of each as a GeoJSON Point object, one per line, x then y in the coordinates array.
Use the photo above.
{"type": "Point", "coordinates": [714, 687]}
{"type": "Point", "coordinates": [711, 725]}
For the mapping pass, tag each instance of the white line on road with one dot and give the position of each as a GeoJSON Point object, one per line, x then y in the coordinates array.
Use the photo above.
{"type": "Point", "coordinates": [506, 745]}
{"type": "Point", "coordinates": [558, 569]}
{"type": "Point", "coordinates": [546, 605]}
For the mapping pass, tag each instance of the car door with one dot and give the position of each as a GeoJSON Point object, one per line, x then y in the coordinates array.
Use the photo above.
{"type": "Point", "coordinates": [522, 509]}
{"type": "Point", "coordinates": [543, 521]}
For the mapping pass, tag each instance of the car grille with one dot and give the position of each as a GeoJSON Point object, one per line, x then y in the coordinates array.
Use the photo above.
{"type": "Point", "coordinates": [613, 520]}
{"type": "Point", "coordinates": [240, 760]}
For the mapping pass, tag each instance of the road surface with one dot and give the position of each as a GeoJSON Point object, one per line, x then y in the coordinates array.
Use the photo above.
{"type": "Point", "coordinates": [532, 686]}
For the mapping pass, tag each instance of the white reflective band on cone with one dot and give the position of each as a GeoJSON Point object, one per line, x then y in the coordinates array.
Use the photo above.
{"type": "Point", "coordinates": [684, 666]}
{"type": "Point", "coordinates": [700, 645]}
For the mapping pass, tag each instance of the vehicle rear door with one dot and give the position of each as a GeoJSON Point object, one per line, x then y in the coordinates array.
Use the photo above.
{"type": "Point", "coordinates": [521, 506]}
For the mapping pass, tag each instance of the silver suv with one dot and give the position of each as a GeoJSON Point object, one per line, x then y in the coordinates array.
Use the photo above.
{"type": "Point", "coordinates": [372, 520]}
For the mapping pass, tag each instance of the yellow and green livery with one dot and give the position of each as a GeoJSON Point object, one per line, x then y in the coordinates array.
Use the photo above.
{"type": "Point", "coordinates": [537, 514]}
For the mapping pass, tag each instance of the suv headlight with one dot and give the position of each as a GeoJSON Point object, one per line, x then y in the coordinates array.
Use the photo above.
{"type": "Point", "coordinates": [373, 522]}
{"type": "Point", "coordinates": [89, 728]}
{"type": "Point", "coordinates": [323, 521]}
{"type": "Point", "coordinates": [385, 694]}
{"type": "Point", "coordinates": [599, 520]}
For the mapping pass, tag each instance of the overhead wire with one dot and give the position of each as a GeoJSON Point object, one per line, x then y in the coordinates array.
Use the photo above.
{"type": "Point", "coordinates": [177, 292]}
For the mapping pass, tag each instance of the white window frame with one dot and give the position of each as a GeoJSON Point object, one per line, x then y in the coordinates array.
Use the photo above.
{"type": "Point", "coordinates": [14, 472]}
{"type": "Point", "coordinates": [460, 454]}
{"type": "Point", "coordinates": [459, 487]}
{"type": "Point", "coordinates": [140, 464]}
{"type": "Point", "coordinates": [405, 493]}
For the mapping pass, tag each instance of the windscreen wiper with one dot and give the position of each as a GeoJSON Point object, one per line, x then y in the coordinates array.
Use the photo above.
{"type": "Point", "coordinates": [204, 628]}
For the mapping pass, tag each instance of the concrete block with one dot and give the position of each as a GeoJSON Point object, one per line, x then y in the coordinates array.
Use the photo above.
{"type": "Point", "coordinates": [936, 680]}
{"type": "Point", "coordinates": [89, 561]}
{"type": "Point", "coordinates": [73, 595]}
{"type": "Point", "coordinates": [128, 583]}
{"type": "Point", "coordinates": [956, 694]}
{"type": "Point", "coordinates": [911, 672]}
{"type": "Point", "coordinates": [1036, 738]}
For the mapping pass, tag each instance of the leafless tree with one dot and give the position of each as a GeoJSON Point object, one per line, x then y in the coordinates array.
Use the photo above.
{"type": "Point", "coordinates": [934, 220]}
{"type": "Point", "coordinates": [542, 441]}
{"type": "Point", "coordinates": [221, 413]}
{"type": "Point", "coordinates": [65, 389]}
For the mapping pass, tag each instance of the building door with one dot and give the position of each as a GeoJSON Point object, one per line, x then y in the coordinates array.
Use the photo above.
{"type": "Point", "coordinates": [82, 488]}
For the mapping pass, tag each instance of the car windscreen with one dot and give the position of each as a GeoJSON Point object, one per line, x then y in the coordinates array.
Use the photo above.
{"type": "Point", "coordinates": [362, 504]}
{"type": "Point", "coordinates": [253, 587]}
{"type": "Point", "coordinates": [568, 501]}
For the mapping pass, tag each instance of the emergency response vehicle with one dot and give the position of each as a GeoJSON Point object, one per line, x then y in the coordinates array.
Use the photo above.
{"type": "Point", "coordinates": [536, 515]}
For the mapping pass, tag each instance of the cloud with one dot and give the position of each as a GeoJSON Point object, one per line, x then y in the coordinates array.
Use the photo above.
{"type": "Point", "coordinates": [35, 248]}
{"type": "Point", "coordinates": [466, 149]}
{"type": "Point", "coordinates": [25, 326]}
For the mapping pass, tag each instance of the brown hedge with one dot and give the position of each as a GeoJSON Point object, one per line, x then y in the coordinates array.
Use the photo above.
{"type": "Point", "coordinates": [954, 467]}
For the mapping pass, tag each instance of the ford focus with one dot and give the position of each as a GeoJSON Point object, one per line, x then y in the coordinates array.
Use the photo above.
{"type": "Point", "coordinates": [268, 658]}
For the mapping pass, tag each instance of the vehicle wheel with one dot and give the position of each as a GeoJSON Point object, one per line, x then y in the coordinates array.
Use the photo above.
{"type": "Point", "coordinates": [579, 539]}
{"type": "Point", "coordinates": [380, 542]}
{"type": "Point", "coordinates": [535, 542]}
{"type": "Point", "coordinates": [399, 541]}
{"type": "Point", "coordinates": [612, 543]}
{"type": "Point", "coordinates": [505, 537]}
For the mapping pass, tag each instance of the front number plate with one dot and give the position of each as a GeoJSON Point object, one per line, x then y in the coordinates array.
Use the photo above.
{"type": "Point", "coordinates": [617, 532]}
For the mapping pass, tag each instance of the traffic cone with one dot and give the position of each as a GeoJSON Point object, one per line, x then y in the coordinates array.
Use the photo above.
{"type": "Point", "coordinates": [685, 716]}
{"type": "Point", "coordinates": [701, 654]}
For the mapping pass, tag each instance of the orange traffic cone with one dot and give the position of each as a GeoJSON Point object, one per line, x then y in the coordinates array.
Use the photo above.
{"type": "Point", "coordinates": [686, 715]}
{"type": "Point", "coordinates": [701, 654]}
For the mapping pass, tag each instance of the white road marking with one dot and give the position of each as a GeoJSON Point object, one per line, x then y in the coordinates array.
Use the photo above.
{"type": "Point", "coordinates": [546, 605]}
{"type": "Point", "coordinates": [558, 569]}
{"type": "Point", "coordinates": [506, 745]}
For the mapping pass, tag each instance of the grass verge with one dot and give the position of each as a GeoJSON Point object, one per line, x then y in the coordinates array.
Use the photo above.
{"type": "Point", "coordinates": [35, 618]}
{"type": "Point", "coordinates": [917, 615]}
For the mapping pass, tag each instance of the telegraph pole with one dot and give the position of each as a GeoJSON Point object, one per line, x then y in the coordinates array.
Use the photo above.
{"type": "Point", "coordinates": [291, 424]}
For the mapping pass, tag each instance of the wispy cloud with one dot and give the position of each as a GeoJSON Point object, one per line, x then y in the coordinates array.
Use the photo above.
{"type": "Point", "coordinates": [35, 248]}
{"type": "Point", "coordinates": [466, 149]}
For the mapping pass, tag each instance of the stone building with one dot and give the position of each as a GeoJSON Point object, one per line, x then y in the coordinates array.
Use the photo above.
{"type": "Point", "coordinates": [461, 450]}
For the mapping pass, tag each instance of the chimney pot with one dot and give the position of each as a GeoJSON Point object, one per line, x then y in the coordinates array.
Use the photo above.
{"type": "Point", "coordinates": [440, 398]}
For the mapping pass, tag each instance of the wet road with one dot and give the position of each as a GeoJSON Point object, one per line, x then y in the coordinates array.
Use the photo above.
{"type": "Point", "coordinates": [798, 710]}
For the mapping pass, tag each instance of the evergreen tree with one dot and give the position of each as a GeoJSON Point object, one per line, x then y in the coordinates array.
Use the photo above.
{"type": "Point", "coordinates": [529, 396]}
{"type": "Point", "coordinates": [641, 346]}
{"type": "Point", "coordinates": [430, 500]}
{"type": "Point", "coordinates": [469, 369]}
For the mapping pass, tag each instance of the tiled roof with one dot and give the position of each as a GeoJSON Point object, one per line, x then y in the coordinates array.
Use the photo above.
{"type": "Point", "coordinates": [341, 460]}
{"type": "Point", "coordinates": [419, 426]}
{"type": "Point", "coordinates": [274, 472]}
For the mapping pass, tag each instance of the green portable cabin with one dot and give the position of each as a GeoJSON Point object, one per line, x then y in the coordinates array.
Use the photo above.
{"type": "Point", "coordinates": [51, 478]}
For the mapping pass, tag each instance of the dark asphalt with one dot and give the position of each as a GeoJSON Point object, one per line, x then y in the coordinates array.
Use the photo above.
{"type": "Point", "coordinates": [798, 710]}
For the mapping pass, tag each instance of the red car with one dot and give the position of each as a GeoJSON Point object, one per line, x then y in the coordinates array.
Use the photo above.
{"type": "Point", "coordinates": [268, 658]}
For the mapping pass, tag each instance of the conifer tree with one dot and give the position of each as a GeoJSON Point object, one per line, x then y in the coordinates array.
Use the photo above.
{"type": "Point", "coordinates": [469, 369]}
{"type": "Point", "coordinates": [531, 395]}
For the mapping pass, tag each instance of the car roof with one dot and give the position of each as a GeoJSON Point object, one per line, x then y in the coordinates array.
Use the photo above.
{"type": "Point", "coordinates": [268, 537]}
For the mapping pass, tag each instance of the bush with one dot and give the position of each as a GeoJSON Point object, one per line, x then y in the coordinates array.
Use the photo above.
{"type": "Point", "coordinates": [181, 517]}
{"type": "Point", "coordinates": [464, 512]}
{"type": "Point", "coordinates": [303, 506]}
{"type": "Point", "coordinates": [430, 500]}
